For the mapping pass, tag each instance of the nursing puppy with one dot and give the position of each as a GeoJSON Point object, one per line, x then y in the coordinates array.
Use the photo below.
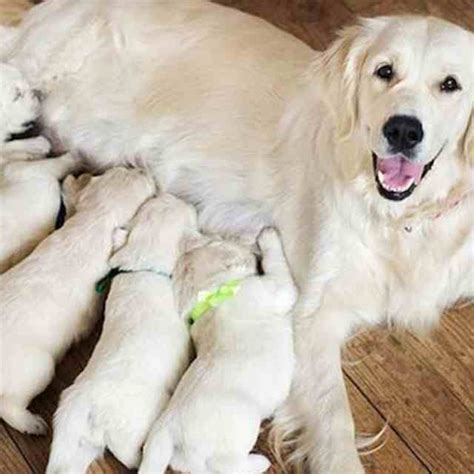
{"type": "Point", "coordinates": [30, 204]}
{"type": "Point", "coordinates": [30, 192]}
{"type": "Point", "coordinates": [244, 359]}
{"type": "Point", "coordinates": [142, 352]}
{"type": "Point", "coordinates": [48, 300]}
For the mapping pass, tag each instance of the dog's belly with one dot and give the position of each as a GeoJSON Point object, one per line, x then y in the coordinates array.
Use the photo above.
{"type": "Point", "coordinates": [167, 85]}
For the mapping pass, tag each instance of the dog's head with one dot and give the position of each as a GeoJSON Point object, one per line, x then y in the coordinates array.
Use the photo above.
{"type": "Point", "coordinates": [155, 236]}
{"type": "Point", "coordinates": [117, 193]}
{"type": "Point", "coordinates": [19, 106]}
{"type": "Point", "coordinates": [207, 263]}
{"type": "Point", "coordinates": [402, 88]}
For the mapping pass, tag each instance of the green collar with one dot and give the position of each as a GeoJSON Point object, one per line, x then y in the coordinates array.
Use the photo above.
{"type": "Point", "coordinates": [103, 284]}
{"type": "Point", "coordinates": [212, 299]}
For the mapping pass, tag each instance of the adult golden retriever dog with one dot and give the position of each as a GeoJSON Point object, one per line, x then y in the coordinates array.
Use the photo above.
{"type": "Point", "coordinates": [362, 155]}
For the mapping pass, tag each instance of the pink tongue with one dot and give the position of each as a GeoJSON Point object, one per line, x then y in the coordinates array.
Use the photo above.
{"type": "Point", "coordinates": [398, 172]}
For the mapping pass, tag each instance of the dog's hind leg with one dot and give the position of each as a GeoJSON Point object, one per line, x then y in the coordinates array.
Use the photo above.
{"type": "Point", "coordinates": [126, 447]}
{"type": "Point", "coordinates": [248, 464]}
{"type": "Point", "coordinates": [158, 451]}
{"type": "Point", "coordinates": [19, 417]}
{"type": "Point", "coordinates": [56, 168]}
{"type": "Point", "coordinates": [74, 445]}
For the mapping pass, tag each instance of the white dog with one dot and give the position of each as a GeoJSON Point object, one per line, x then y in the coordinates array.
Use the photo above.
{"type": "Point", "coordinates": [244, 359]}
{"type": "Point", "coordinates": [48, 300]}
{"type": "Point", "coordinates": [30, 193]}
{"type": "Point", "coordinates": [232, 113]}
{"type": "Point", "coordinates": [143, 350]}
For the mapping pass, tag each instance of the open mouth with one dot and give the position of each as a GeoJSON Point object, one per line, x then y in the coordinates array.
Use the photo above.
{"type": "Point", "coordinates": [31, 130]}
{"type": "Point", "coordinates": [397, 177]}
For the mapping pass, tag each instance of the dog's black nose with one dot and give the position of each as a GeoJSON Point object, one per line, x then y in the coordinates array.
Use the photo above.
{"type": "Point", "coordinates": [403, 132]}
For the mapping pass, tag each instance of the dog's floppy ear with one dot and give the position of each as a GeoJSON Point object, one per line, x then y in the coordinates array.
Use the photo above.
{"type": "Point", "coordinates": [119, 238]}
{"type": "Point", "coordinates": [71, 189]}
{"type": "Point", "coordinates": [468, 141]}
{"type": "Point", "coordinates": [193, 240]}
{"type": "Point", "coordinates": [336, 72]}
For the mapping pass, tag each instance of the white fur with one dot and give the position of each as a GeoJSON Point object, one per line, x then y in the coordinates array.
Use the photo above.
{"type": "Point", "coordinates": [222, 110]}
{"type": "Point", "coordinates": [48, 300]}
{"type": "Point", "coordinates": [244, 362]}
{"type": "Point", "coordinates": [29, 190]}
{"type": "Point", "coordinates": [143, 350]}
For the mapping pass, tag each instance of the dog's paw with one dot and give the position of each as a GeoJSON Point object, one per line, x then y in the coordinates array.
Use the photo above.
{"type": "Point", "coordinates": [38, 147]}
{"type": "Point", "coordinates": [35, 425]}
{"type": "Point", "coordinates": [268, 239]}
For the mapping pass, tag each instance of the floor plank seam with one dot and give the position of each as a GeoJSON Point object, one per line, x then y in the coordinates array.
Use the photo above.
{"type": "Point", "coordinates": [385, 419]}
{"type": "Point", "coordinates": [441, 375]}
{"type": "Point", "coordinates": [18, 448]}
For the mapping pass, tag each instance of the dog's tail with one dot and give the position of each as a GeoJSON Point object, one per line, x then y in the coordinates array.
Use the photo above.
{"type": "Point", "coordinates": [73, 447]}
{"type": "Point", "coordinates": [158, 451]}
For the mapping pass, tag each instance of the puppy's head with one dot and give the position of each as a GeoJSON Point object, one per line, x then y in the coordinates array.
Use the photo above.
{"type": "Point", "coordinates": [19, 106]}
{"type": "Point", "coordinates": [402, 88]}
{"type": "Point", "coordinates": [208, 263]}
{"type": "Point", "coordinates": [156, 235]}
{"type": "Point", "coordinates": [118, 193]}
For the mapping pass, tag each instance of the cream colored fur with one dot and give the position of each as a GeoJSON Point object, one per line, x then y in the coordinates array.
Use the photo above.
{"type": "Point", "coordinates": [234, 114]}
{"type": "Point", "coordinates": [30, 192]}
{"type": "Point", "coordinates": [143, 350]}
{"type": "Point", "coordinates": [48, 300]}
{"type": "Point", "coordinates": [244, 362]}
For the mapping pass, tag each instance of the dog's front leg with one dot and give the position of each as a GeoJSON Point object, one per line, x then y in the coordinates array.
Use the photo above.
{"type": "Point", "coordinates": [27, 149]}
{"type": "Point", "coordinates": [318, 408]}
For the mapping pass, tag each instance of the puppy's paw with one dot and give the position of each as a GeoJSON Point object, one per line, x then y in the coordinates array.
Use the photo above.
{"type": "Point", "coordinates": [268, 239]}
{"type": "Point", "coordinates": [35, 425]}
{"type": "Point", "coordinates": [38, 147]}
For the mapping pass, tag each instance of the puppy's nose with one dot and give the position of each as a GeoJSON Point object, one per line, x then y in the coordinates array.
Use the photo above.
{"type": "Point", "coordinates": [403, 132]}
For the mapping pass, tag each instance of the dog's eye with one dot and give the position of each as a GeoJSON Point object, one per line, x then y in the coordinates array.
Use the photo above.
{"type": "Point", "coordinates": [385, 72]}
{"type": "Point", "coordinates": [449, 85]}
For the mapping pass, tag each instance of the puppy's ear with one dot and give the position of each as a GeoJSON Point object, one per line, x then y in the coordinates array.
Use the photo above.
{"type": "Point", "coordinates": [71, 188]}
{"type": "Point", "coordinates": [336, 72]}
{"type": "Point", "coordinates": [468, 141]}
{"type": "Point", "coordinates": [119, 238]}
{"type": "Point", "coordinates": [193, 240]}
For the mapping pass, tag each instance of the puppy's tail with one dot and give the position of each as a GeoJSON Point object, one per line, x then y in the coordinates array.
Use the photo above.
{"type": "Point", "coordinates": [73, 447]}
{"type": "Point", "coordinates": [157, 452]}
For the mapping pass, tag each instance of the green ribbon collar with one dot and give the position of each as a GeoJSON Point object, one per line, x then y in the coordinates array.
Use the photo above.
{"type": "Point", "coordinates": [208, 300]}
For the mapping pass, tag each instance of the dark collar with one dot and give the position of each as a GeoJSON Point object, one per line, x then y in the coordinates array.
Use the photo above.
{"type": "Point", "coordinates": [61, 216]}
{"type": "Point", "coordinates": [104, 283]}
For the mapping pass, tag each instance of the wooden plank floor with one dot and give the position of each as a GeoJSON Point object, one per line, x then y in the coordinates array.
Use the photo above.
{"type": "Point", "coordinates": [422, 389]}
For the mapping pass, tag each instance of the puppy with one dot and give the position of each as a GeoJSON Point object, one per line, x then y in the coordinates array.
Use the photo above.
{"type": "Point", "coordinates": [48, 300]}
{"type": "Point", "coordinates": [244, 359]}
{"type": "Point", "coordinates": [142, 353]}
{"type": "Point", "coordinates": [30, 203]}
{"type": "Point", "coordinates": [30, 193]}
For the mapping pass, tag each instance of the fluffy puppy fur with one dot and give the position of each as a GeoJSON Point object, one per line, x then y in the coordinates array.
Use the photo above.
{"type": "Point", "coordinates": [29, 190]}
{"type": "Point", "coordinates": [243, 367]}
{"type": "Point", "coordinates": [48, 300]}
{"type": "Point", "coordinates": [143, 350]}
{"type": "Point", "coordinates": [30, 199]}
